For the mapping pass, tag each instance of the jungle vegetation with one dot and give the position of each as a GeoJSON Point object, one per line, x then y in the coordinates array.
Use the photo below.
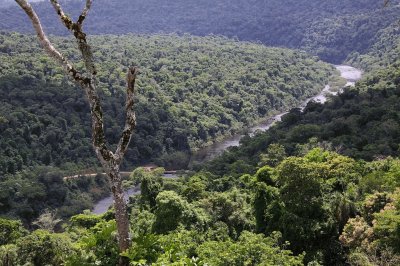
{"type": "Point", "coordinates": [192, 91]}
{"type": "Point", "coordinates": [321, 208]}
{"type": "Point", "coordinates": [322, 187]}
{"type": "Point", "coordinates": [330, 29]}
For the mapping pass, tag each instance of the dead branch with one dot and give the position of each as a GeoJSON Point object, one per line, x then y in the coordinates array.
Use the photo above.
{"type": "Point", "coordinates": [110, 161]}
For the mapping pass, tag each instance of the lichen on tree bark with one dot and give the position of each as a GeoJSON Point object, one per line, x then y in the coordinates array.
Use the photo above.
{"type": "Point", "coordinates": [110, 161]}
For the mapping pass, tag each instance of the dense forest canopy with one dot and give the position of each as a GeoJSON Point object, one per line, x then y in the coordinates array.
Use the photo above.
{"type": "Point", "coordinates": [321, 187]}
{"type": "Point", "coordinates": [192, 91]}
{"type": "Point", "coordinates": [361, 122]}
{"type": "Point", "coordinates": [330, 29]}
{"type": "Point", "coordinates": [321, 208]}
{"type": "Point", "coordinates": [383, 53]}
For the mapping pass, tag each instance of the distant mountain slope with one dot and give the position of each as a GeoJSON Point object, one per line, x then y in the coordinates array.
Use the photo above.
{"type": "Point", "coordinates": [384, 52]}
{"type": "Point", "coordinates": [191, 90]}
{"type": "Point", "coordinates": [330, 29]}
{"type": "Point", "coordinates": [7, 3]}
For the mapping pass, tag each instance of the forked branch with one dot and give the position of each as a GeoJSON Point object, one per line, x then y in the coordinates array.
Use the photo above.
{"type": "Point", "coordinates": [47, 45]}
{"type": "Point", "coordinates": [88, 83]}
{"type": "Point", "coordinates": [110, 161]}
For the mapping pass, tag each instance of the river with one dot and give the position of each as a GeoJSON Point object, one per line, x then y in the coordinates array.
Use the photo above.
{"type": "Point", "coordinates": [351, 74]}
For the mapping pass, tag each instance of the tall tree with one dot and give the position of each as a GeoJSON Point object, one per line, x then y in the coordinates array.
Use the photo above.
{"type": "Point", "coordinates": [110, 160]}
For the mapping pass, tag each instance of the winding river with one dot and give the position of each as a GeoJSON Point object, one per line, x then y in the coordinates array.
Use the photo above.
{"type": "Point", "coordinates": [351, 74]}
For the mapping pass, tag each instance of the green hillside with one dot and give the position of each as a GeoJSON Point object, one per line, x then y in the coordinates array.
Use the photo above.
{"type": "Point", "coordinates": [361, 122]}
{"type": "Point", "coordinates": [191, 91]}
{"type": "Point", "coordinates": [321, 187]}
{"type": "Point", "coordinates": [329, 29]}
{"type": "Point", "coordinates": [383, 53]}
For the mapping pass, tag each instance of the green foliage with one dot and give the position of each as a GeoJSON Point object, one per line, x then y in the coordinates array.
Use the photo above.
{"type": "Point", "coordinates": [386, 224]}
{"type": "Point", "coordinates": [172, 210]}
{"type": "Point", "coordinates": [332, 209]}
{"type": "Point", "coordinates": [267, 207]}
{"type": "Point", "coordinates": [29, 193]}
{"type": "Point", "coordinates": [142, 222]}
{"type": "Point", "coordinates": [85, 220]}
{"type": "Point", "coordinates": [8, 255]}
{"type": "Point", "coordinates": [301, 187]}
{"type": "Point", "coordinates": [180, 246]}
{"type": "Point", "coordinates": [330, 29]}
{"type": "Point", "coordinates": [250, 249]}
{"type": "Point", "coordinates": [309, 199]}
{"type": "Point", "coordinates": [313, 201]}
{"type": "Point", "coordinates": [382, 53]}
{"type": "Point", "coordinates": [375, 237]}
{"type": "Point", "coordinates": [373, 203]}
{"type": "Point", "coordinates": [384, 176]}
{"type": "Point", "coordinates": [232, 208]}
{"type": "Point", "coordinates": [151, 183]}
{"type": "Point", "coordinates": [44, 248]}
{"type": "Point", "coordinates": [144, 250]}
{"type": "Point", "coordinates": [360, 123]}
{"type": "Point", "coordinates": [10, 231]}
{"type": "Point", "coordinates": [265, 175]}
{"type": "Point", "coordinates": [99, 244]}
{"type": "Point", "coordinates": [195, 188]}
{"type": "Point", "coordinates": [191, 91]}
{"type": "Point", "coordinates": [275, 154]}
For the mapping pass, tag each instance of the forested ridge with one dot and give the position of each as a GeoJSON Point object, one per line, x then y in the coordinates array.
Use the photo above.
{"type": "Point", "coordinates": [383, 53]}
{"type": "Point", "coordinates": [191, 91]}
{"type": "Point", "coordinates": [321, 187]}
{"type": "Point", "coordinates": [329, 29]}
{"type": "Point", "coordinates": [361, 122]}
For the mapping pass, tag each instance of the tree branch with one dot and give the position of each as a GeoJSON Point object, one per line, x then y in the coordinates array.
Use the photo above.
{"type": "Point", "coordinates": [84, 12]}
{"type": "Point", "coordinates": [385, 3]}
{"type": "Point", "coordinates": [66, 20]}
{"type": "Point", "coordinates": [47, 45]}
{"type": "Point", "coordinates": [111, 162]}
{"type": "Point", "coordinates": [98, 136]}
{"type": "Point", "coordinates": [80, 36]}
{"type": "Point", "coordinates": [130, 120]}
{"type": "Point", "coordinates": [99, 142]}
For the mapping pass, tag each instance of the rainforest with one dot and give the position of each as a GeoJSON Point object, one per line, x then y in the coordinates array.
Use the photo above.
{"type": "Point", "coordinates": [264, 132]}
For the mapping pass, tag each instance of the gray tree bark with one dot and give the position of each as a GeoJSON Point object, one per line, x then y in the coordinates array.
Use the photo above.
{"type": "Point", "coordinates": [110, 161]}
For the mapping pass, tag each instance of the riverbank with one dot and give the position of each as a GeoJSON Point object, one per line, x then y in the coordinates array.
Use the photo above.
{"type": "Point", "coordinates": [350, 74]}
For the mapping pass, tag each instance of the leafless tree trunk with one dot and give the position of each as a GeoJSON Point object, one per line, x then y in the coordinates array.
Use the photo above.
{"type": "Point", "coordinates": [110, 161]}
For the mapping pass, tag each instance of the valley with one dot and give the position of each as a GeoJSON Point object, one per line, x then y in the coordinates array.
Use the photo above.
{"type": "Point", "coordinates": [227, 132]}
{"type": "Point", "coordinates": [350, 74]}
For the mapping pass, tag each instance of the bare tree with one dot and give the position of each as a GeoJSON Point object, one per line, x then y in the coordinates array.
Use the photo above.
{"type": "Point", "coordinates": [110, 161]}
